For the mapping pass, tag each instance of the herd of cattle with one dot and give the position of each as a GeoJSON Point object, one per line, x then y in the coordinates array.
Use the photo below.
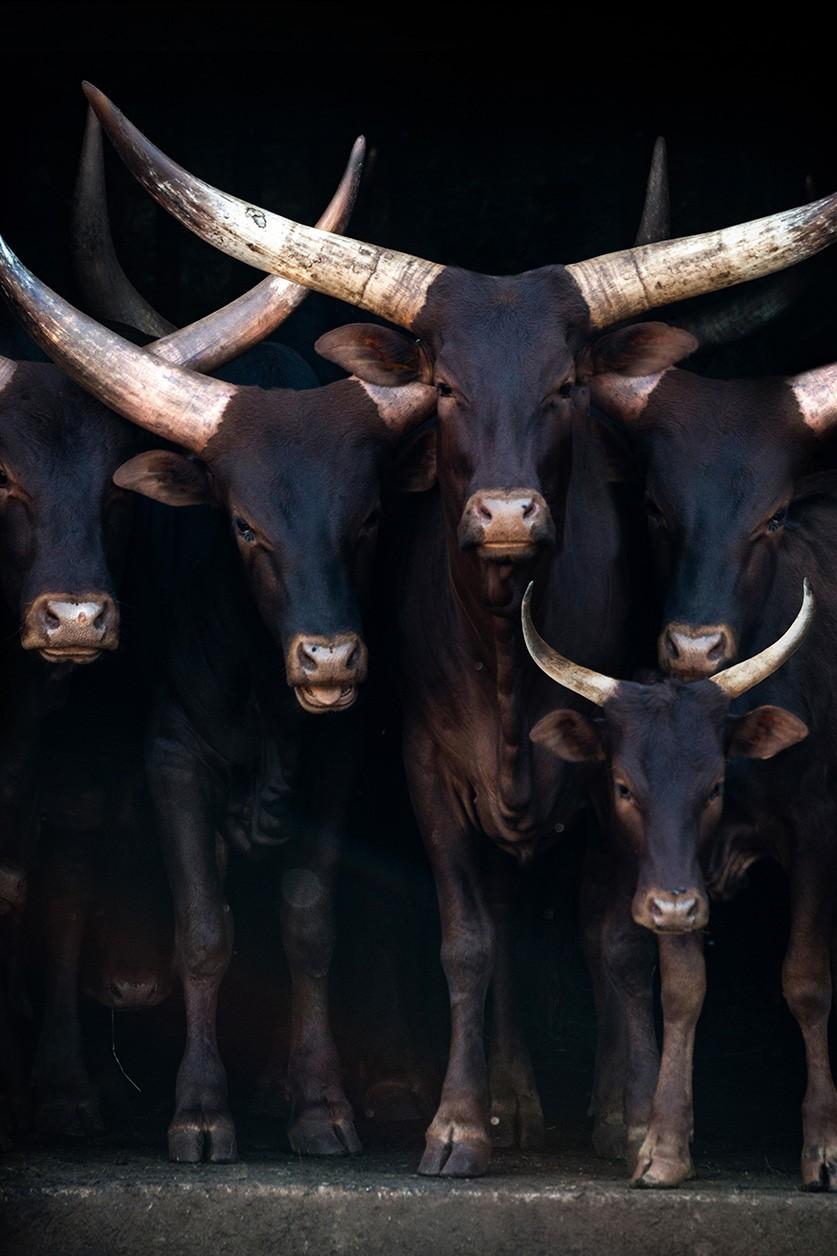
{"type": "Point", "coordinates": [516, 409]}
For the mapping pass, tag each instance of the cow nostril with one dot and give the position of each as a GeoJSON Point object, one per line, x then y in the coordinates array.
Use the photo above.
{"type": "Point", "coordinates": [718, 648]}
{"type": "Point", "coordinates": [483, 511]}
{"type": "Point", "coordinates": [101, 619]}
{"type": "Point", "coordinates": [51, 619]}
{"type": "Point", "coordinates": [529, 507]}
{"type": "Point", "coordinates": [671, 647]}
{"type": "Point", "coordinates": [690, 908]}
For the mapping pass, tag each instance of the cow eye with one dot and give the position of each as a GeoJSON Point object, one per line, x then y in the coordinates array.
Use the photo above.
{"type": "Point", "coordinates": [566, 389]}
{"type": "Point", "coordinates": [715, 791]}
{"type": "Point", "coordinates": [244, 530]}
{"type": "Point", "coordinates": [4, 479]}
{"type": "Point", "coordinates": [777, 521]}
{"type": "Point", "coordinates": [444, 389]}
{"type": "Point", "coordinates": [622, 791]}
{"type": "Point", "coordinates": [371, 521]}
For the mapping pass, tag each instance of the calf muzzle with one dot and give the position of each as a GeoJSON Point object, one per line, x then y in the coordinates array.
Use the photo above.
{"type": "Point", "coordinates": [71, 627]}
{"type": "Point", "coordinates": [671, 911]}
{"type": "Point", "coordinates": [694, 652]}
{"type": "Point", "coordinates": [325, 671]}
{"type": "Point", "coordinates": [506, 525]}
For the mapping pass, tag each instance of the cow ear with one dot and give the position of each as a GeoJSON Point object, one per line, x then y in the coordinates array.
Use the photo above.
{"type": "Point", "coordinates": [414, 466]}
{"type": "Point", "coordinates": [569, 735]}
{"type": "Point", "coordinates": [640, 350]}
{"type": "Point", "coordinates": [167, 477]}
{"type": "Point", "coordinates": [763, 732]}
{"type": "Point", "coordinates": [401, 408]}
{"type": "Point", "coordinates": [378, 355]}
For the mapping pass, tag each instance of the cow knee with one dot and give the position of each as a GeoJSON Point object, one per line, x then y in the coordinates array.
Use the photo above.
{"type": "Point", "coordinates": [307, 921]}
{"type": "Point", "coordinates": [807, 993]}
{"type": "Point", "coordinates": [467, 957]}
{"type": "Point", "coordinates": [204, 944]}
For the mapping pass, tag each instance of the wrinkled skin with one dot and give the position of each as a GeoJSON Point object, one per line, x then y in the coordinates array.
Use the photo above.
{"type": "Point", "coordinates": [738, 513]}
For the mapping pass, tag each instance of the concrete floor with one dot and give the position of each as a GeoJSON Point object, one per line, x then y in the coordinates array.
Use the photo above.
{"type": "Point", "coordinates": [108, 1201]}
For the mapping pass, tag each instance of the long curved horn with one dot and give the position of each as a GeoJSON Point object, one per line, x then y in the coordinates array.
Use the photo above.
{"type": "Point", "coordinates": [7, 370]}
{"type": "Point", "coordinates": [221, 335]}
{"type": "Point", "coordinates": [618, 285]}
{"type": "Point", "coordinates": [383, 281]}
{"type": "Point", "coordinates": [581, 680]}
{"type": "Point", "coordinates": [655, 222]}
{"type": "Point", "coordinates": [106, 289]}
{"type": "Point", "coordinates": [816, 395]}
{"type": "Point", "coordinates": [742, 676]}
{"type": "Point", "coordinates": [733, 318]}
{"type": "Point", "coordinates": [175, 403]}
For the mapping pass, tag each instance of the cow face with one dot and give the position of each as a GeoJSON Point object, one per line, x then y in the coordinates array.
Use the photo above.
{"type": "Point", "coordinates": [298, 474]}
{"type": "Point", "coordinates": [665, 747]}
{"type": "Point", "coordinates": [64, 523]}
{"type": "Point", "coordinates": [721, 460]}
{"type": "Point", "coordinates": [508, 360]}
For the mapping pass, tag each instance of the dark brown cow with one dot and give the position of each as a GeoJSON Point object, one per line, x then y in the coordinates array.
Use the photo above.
{"type": "Point", "coordinates": [738, 511]}
{"type": "Point", "coordinates": [506, 357]}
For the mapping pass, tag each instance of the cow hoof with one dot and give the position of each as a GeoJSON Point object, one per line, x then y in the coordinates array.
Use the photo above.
{"type": "Point", "coordinates": [69, 1116]}
{"type": "Point", "coordinates": [610, 1139]}
{"type": "Point", "coordinates": [455, 1149]}
{"type": "Point", "coordinates": [517, 1121]}
{"type": "Point", "coordinates": [819, 1167]}
{"type": "Point", "coordinates": [197, 1134]}
{"type": "Point", "coordinates": [322, 1131]}
{"type": "Point", "coordinates": [662, 1164]}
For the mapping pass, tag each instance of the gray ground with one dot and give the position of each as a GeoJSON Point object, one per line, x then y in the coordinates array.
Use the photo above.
{"type": "Point", "coordinates": [109, 1201]}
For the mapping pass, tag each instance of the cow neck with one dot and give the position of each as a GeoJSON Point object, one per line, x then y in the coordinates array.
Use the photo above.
{"type": "Point", "coordinates": [496, 636]}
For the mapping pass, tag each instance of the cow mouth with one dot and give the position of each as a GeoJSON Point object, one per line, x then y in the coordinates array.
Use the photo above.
{"type": "Point", "coordinates": [507, 551]}
{"type": "Point", "coordinates": [319, 699]}
{"type": "Point", "coordinates": [70, 654]}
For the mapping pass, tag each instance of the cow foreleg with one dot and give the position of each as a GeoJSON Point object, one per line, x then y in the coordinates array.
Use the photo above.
{"type": "Point", "coordinates": [627, 955]}
{"type": "Point", "coordinates": [806, 981]}
{"type": "Point", "coordinates": [664, 1159]}
{"type": "Point", "coordinates": [458, 1142]}
{"type": "Point", "coordinates": [322, 1122]}
{"type": "Point", "coordinates": [181, 785]}
{"type": "Point", "coordinates": [516, 1113]}
{"type": "Point", "coordinates": [67, 1103]}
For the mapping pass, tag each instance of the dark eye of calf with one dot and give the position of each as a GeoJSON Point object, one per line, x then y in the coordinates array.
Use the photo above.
{"type": "Point", "coordinates": [4, 479]}
{"type": "Point", "coordinates": [371, 522]}
{"type": "Point", "coordinates": [243, 529]}
{"type": "Point", "coordinates": [777, 520]}
{"type": "Point", "coordinates": [715, 791]}
{"type": "Point", "coordinates": [622, 791]}
{"type": "Point", "coordinates": [655, 515]}
{"type": "Point", "coordinates": [566, 389]}
{"type": "Point", "coordinates": [443, 389]}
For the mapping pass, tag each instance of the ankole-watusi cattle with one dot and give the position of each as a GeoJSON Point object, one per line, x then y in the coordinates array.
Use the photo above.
{"type": "Point", "coordinates": [522, 488]}
{"type": "Point", "coordinates": [295, 479]}
{"type": "Point", "coordinates": [737, 513]}
{"type": "Point", "coordinates": [65, 542]}
{"type": "Point", "coordinates": [662, 750]}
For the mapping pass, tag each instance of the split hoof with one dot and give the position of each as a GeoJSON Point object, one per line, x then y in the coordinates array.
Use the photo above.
{"type": "Point", "coordinates": [322, 1131]}
{"type": "Point", "coordinates": [819, 1168]}
{"type": "Point", "coordinates": [197, 1134]}
{"type": "Point", "coordinates": [460, 1150]}
{"type": "Point", "coordinates": [661, 1164]}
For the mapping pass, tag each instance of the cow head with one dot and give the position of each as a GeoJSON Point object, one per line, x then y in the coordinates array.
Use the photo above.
{"type": "Point", "coordinates": [63, 523]}
{"type": "Point", "coordinates": [722, 459]}
{"type": "Point", "coordinates": [503, 354]}
{"type": "Point", "coordinates": [665, 747]}
{"type": "Point", "coordinates": [298, 475]}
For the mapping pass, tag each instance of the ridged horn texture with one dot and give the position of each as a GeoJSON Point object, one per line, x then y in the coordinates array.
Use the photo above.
{"type": "Point", "coordinates": [733, 318]}
{"type": "Point", "coordinates": [385, 282]}
{"type": "Point", "coordinates": [105, 288]}
{"type": "Point", "coordinates": [177, 404]}
{"type": "Point", "coordinates": [742, 676]}
{"type": "Point", "coordinates": [617, 286]}
{"type": "Point", "coordinates": [7, 370]}
{"type": "Point", "coordinates": [221, 335]}
{"type": "Point", "coordinates": [655, 223]}
{"type": "Point", "coordinates": [816, 395]}
{"type": "Point", "coordinates": [581, 680]}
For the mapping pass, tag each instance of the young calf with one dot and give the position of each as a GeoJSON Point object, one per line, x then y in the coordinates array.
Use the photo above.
{"type": "Point", "coordinates": [665, 748]}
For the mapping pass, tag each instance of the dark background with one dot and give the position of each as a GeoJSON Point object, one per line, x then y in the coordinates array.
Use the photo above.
{"type": "Point", "coordinates": [500, 143]}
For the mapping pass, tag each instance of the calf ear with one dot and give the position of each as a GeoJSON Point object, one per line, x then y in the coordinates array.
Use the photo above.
{"type": "Point", "coordinates": [378, 355]}
{"type": "Point", "coordinates": [166, 477]}
{"type": "Point", "coordinates": [763, 732]}
{"type": "Point", "coordinates": [643, 349]}
{"type": "Point", "coordinates": [401, 408]}
{"type": "Point", "coordinates": [569, 736]}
